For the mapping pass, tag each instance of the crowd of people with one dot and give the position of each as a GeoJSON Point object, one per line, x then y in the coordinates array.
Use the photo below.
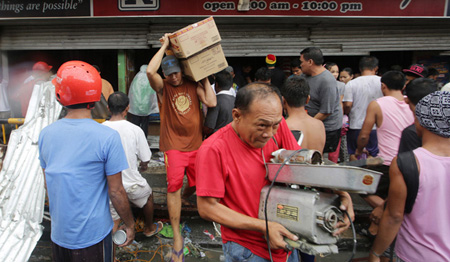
{"type": "Point", "coordinates": [221, 131]}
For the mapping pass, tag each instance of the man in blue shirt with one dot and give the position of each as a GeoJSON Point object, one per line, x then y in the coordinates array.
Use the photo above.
{"type": "Point", "coordinates": [82, 162]}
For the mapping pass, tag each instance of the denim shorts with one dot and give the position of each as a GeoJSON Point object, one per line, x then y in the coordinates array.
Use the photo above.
{"type": "Point", "coordinates": [352, 139]}
{"type": "Point", "coordinates": [234, 252]}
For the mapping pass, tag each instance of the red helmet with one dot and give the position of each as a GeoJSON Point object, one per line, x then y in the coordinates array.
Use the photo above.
{"type": "Point", "coordinates": [42, 66]}
{"type": "Point", "coordinates": [77, 82]}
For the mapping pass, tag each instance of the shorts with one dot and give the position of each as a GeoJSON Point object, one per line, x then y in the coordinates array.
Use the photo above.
{"type": "Point", "coordinates": [100, 252]}
{"type": "Point", "coordinates": [352, 140]}
{"type": "Point", "coordinates": [332, 140]}
{"type": "Point", "coordinates": [177, 162]}
{"type": "Point", "coordinates": [137, 195]}
{"type": "Point", "coordinates": [235, 252]}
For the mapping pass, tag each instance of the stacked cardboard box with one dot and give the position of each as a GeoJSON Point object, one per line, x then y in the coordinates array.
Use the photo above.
{"type": "Point", "coordinates": [198, 48]}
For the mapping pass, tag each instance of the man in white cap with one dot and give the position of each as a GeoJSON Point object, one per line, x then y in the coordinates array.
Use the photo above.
{"type": "Point", "coordinates": [181, 129]}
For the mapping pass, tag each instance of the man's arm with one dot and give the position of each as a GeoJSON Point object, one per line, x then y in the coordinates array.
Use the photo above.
{"type": "Point", "coordinates": [156, 81]}
{"type": "Point", "coordinates": [206, 93]}
{"type": "Point", "coordinates": [393, 215]}
{"type": "Point", "coordinates": [347, 107]}
{"type": "Point", "coordinates": [211, 209]}
{"type": "Point", "coordinates": [143, 151]}
{"type": "Point", "coordinates": [372, 115]}
{"type": "Point", "coordinates": [321, 116]}
{"type": "Point", "coordinates": [120, 202]}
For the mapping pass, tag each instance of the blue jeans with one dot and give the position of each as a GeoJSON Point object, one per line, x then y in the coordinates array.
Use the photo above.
{"type": "Point", "coordinates": [234, 252]}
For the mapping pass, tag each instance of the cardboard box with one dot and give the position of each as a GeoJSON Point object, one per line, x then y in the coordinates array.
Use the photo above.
{"type": "Point", "coordinates": [194, 38]}
{"type": "Point", "coordinates": [205, 63]}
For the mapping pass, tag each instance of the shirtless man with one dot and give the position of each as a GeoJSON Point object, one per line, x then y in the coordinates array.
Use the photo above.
{"type": "Point", "coordinates": [295, 95]}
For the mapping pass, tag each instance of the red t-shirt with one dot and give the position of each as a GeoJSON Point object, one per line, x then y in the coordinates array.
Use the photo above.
{"type": "Point", "coordinates": [229, 169]}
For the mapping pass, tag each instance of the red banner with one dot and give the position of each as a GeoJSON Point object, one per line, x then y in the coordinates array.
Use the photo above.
{"type": "Point", "coordinates": [341, 8]}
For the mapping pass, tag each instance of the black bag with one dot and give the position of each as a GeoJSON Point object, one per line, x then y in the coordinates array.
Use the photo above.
{"type": "Point", "coordinates": [407, 164]}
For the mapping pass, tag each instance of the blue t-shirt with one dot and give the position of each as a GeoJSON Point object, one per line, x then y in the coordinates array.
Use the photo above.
{"type": "Point", "coordinates": [77, 155]}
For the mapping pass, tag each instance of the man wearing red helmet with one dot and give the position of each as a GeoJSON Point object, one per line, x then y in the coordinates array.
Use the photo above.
{"type": "Point", "coordinates": [181, 128]}
{"type": "Point", "coordinates": [82, 163]}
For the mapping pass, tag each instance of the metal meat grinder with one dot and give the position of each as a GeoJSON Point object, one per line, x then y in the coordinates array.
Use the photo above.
{"type": "Point", "coordinates": [298, 201]}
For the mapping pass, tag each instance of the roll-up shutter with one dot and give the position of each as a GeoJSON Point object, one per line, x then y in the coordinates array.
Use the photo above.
{"type": "Point", "coordinates": [249, 39]}
{"type": "Point", "coordinates": [72, 36]}
{"type": "Point", "coordinates": [239, 39]}
{"type": "Point", "coordinates": [365, 39]}
{"type": "Point", "coordinates": [288, 39]}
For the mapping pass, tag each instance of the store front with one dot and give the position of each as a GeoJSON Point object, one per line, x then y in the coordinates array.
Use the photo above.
{"type": "Point", "coordinates": [121, 35]}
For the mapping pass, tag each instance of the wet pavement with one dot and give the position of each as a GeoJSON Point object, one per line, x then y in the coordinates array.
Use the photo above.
{"type": "Point", "coordinates": [202, 247]}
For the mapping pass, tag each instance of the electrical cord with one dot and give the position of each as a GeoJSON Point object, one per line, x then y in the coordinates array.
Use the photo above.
{"type": "Point", "coordinates": [286, 160]}
{"type": "Point", "coordinates": [354, 236]}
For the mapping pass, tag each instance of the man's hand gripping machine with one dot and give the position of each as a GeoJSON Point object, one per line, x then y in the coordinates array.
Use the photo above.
{"type": "Point", "coordinates": [301, 206]}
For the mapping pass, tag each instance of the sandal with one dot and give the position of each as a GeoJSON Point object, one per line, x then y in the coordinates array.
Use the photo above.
{"type": "Point", "coordinates": [178, 254]}
{"type": "Point", "coordinates": [159, 227]}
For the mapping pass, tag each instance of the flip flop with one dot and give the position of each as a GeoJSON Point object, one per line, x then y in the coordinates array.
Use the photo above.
{"type": "Point", "coordinates": [159, 227]}
{"type": "Point", "coordinates": [178, 253]}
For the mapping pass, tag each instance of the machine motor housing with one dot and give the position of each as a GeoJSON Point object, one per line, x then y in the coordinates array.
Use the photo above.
{"type": "Point", "coordinates": [310, 214]}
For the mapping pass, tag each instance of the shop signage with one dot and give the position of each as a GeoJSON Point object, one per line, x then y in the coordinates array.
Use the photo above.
{"type": "Point", "coordinates": [338, 8]}
{"type": "Point", "coordinates": [341, 8]}
{"type": "Point", "coordinates": [44, 8]}
{"type": "Point", "coordinates": [138, 5]}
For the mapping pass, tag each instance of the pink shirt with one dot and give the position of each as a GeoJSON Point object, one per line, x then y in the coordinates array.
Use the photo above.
{"type": "Point", "coordinates": [425, 232]}
{"type": "Point", "coordinates": [396, 117]}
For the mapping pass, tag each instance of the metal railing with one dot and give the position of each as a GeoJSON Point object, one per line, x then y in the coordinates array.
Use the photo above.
{"type": "Point", "coordinates": [11, 121]}
{"type": "Point", "coordinates": [16, 122]}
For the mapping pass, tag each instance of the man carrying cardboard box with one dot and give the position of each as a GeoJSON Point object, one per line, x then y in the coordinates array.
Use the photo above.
{"type": "Point", "coordinates": [181, 129]}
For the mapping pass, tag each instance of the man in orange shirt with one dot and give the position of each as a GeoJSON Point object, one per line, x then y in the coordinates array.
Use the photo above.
{"type": "Point", "coordinates": [181, 129]}
{"type": "Point", "coordinates": [107, 88]}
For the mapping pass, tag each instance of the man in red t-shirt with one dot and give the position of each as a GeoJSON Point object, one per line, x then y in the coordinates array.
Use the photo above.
{"type": "Point", "coordinates": [181, 129]}
{"type": "Point", "coordinates": [230, 174]}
